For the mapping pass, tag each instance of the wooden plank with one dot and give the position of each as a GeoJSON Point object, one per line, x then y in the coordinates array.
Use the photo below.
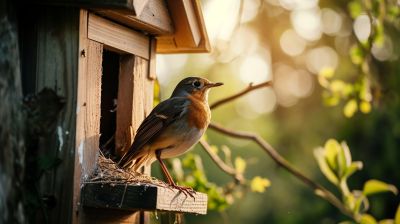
{"type": "Point", "coordinates": [185, 38]}
{"type": "Point", "coordinates": [56, 68]}
{"type": "Point", "coordinates": [117, 37]}
{"type": "Point", "coordinates": [152, 61]}
{"type": "Point", "coordinates": [125, 108]}
{"type": "Point", "coordinates": [187, 30]}
{"type": "Point", "coordinates": [153, 19]}
{"type": "Point", "coordinates": [127, 5]}
{"type": "Point", "coordinates": [139, 6]}
{"type": "Point", "coordinates": [80, 114]}
{"type": "Point", "coordinates": [142, 197]}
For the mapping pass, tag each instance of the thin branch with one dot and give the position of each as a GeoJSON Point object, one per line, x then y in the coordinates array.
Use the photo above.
{"type": "Point", "coordinates": [282, 162]}
{"type": "Point", "coordinates": [248, 89]}
{"type": "Point", "coordinates": [224, 167]}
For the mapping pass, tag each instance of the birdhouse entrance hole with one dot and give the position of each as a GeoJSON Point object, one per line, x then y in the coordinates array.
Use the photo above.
{"type": "Point", "coordinates": [109, 101]}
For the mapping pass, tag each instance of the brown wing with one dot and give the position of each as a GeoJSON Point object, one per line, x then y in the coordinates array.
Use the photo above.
{"type": "Point", "coordinates": [152, 126]}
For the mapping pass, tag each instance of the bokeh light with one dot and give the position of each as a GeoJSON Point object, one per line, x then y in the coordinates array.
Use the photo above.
{"type": "Point", "coordinates": [331, 21]}
{"type": "Point", "coordinates": [307, 23]}
{"type": "Point", "coordinates": [362, 27]}
{"type": "Point", "coordinates": [255, 69]}
{"type": "Point", "coordinates": [321, 57]}
{"type": "Point", "coordinates": [291, 43]}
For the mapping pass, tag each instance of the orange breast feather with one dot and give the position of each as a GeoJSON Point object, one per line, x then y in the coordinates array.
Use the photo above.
{"type": "Point", "coordinates": [199, 113]}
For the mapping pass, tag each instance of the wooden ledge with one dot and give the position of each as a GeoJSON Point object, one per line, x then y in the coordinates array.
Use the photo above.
{"type": "Point", "coordinates": [141, 197]}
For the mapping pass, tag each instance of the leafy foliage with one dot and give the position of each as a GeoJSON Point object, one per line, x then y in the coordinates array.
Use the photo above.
{"type": "Point", "coordinates": [335, 162]}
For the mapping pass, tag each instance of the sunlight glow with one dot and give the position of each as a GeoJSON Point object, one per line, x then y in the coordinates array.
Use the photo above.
{"type": "Point", "coordinates": [362, 27]}
{"type": "Point", "coordinates": [291, 43]}
{"type": "Point", "coordinates": [219, 18]}
{"type": "Point", "coordinates": [321, 57]}
{"type": "Point", "coordinates": [307, 23]}
{"type": "Point", "coordinates": [298, 4]}
{"type": "Point", "coordinates": [255, 69]}
{"type": "Point", "coordinates": [331, 21]}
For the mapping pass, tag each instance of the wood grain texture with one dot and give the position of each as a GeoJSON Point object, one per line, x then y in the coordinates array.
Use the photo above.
{"type": "Point", "coordinates": [56, 68]}
{"type": "Point", "coordinates": [115, 4]}
{"type": "Point", "coordinates": [154, 18]}
{"type": "Point", "coordinates": [142, 197]}
{"type": "Point", "coordinates": [190, 35]}
{"type": "Point", "coordinates": [152, 61]}
{"type": "Point", "coordinates": [117, 37]}
{"type": "Point", "coordinates": [139, 6]}
{"type": "Point", "coordinates": [125, 108]}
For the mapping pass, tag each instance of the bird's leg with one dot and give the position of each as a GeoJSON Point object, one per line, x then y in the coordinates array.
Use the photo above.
{"type": "Point", "coordinates": [185, 190]}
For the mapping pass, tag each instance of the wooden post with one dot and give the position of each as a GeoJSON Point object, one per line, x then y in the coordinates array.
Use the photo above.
{"type": "Point", "coordinates": [12, 153]}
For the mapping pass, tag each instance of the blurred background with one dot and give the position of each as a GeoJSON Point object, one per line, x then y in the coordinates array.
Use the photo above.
{"type": "Point", "coordinates": [336, 74]}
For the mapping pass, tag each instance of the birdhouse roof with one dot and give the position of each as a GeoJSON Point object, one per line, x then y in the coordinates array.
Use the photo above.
{"type": "Point", "coordinates": [178, 24]}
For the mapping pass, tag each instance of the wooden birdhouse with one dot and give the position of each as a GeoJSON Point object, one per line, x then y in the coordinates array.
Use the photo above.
{"type": "Point", "coordinates": [99, 57]}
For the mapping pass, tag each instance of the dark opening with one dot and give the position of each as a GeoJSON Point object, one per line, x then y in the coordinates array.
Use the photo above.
{"type": "Point", "coordinates": [109, 95]}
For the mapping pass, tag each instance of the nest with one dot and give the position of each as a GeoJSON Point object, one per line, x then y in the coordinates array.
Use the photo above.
{"type": "Point", "coordinates": [107, 171]}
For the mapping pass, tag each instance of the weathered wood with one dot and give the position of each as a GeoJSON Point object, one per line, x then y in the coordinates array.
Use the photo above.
{"type": "Point", "coordinates": [12, 152]}
{"type": "Point", "coordinates": [56, 68]}
{"type": "Point", "coordinates": [80, 114]}
{"type": "Point", "coordinates": [154, 18]}
{"type": "Point", "coordinates": [117, 37]}
{"type": "Point", "coordinates": [190, 33]}
{"type": "Point", "coordinates": [142, 197]}
{"type": "Point", "coordinates": [139, 6]}
{"type": "Point", "coordinates": [125, 105]}
{"type": "Point", "coordinates": [127, 5]}
{"type": "Point", "coordinates": [152, 61]}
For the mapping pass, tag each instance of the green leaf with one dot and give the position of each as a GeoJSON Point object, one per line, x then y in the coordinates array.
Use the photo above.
{"type": "Point", "coordinates": [337, 86]}
{"type": "Point", "coordinates": [350, 108]}
{"type": "Point", "coordinates": [386, 221]}
{"type": "Point", "coordinates": [379, 37]}
{"type": "Point", "coordinates": [331, 100]}
{"type": "Point", "coordinates": [355, 8]}
{"type": "Point", "coordinates": [240, 165]}
{"type": "Point", "coordinates": [319, 154]}
{"type": "Point", "coordinates": [332, 149]}
{"type": "Point", "coordinates": [365, 107]}
{"type": "Point", "coordinates": [327, 72]}
{"type": "Point", "coordinates": [354, 166]}
{"type": "Point", "coordinates": [397, 216]}
{"type": "Point", "coordinates": [377, 186]}
{"type": "Point", "coordinates": [356, 55]}
{"type": "Point", "coordinates": [367, 219]}
{"type": "Point", "coordinates": [258, 184]}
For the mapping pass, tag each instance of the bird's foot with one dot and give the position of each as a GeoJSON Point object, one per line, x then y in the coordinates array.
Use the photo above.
{"type": "Point", "coordinates": [185, 190]}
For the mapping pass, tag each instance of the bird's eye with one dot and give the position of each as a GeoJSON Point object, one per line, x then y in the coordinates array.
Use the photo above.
{"type": "Point", "coordinates": [197, 84]}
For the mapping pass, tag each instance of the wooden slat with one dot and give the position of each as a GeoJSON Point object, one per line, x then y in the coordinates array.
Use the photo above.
{"type": "Point", "coordinates": [56, 68]}
{"type": "Point", "coordinates": [152, 61]}
{"type": "Point", "coordinates": [80, 115]}
{"type": "Point", "coordinates": [191, 34]}
{"type": "Point", "coordinates": [139, 6]}
{"type": "Point", "coordinates": [125, 105]}
{"type": "Point", "coordinates": [153, 19]}
{"type": "Point", "coordinates": [127, 5]}
{"type": "Point", "coordinates": [187, 30]}
{"type": "Point", "coordinates": [142, 197]}
{"type": "Point", "coordinates": [117, 37]}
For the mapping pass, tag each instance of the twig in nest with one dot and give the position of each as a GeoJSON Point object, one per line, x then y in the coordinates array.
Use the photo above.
{"type": "Point", "coordinates": [107, 171]}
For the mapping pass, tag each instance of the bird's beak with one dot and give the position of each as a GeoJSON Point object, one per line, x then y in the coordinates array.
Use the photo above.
{"type": "Point", "coordinates": [211, 84]}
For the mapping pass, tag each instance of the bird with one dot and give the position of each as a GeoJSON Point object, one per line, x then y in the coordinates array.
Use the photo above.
{"type": "Point", "coordinates": [172, 128]}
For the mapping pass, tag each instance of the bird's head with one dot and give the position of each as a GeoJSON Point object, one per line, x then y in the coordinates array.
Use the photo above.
{"type": "Point", "coordinates": [194, 86]}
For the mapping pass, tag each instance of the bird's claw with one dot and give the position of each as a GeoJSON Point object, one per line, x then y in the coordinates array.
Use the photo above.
{"type": "Point", "coordinates": [185, 190]}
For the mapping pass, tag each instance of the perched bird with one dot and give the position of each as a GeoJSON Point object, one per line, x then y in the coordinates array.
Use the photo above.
{"type": "Point", "coordinates": [172, 127]}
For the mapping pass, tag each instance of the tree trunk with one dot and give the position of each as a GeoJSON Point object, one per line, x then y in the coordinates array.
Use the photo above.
{"type": "Point", "coordinates": [12, 148]}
